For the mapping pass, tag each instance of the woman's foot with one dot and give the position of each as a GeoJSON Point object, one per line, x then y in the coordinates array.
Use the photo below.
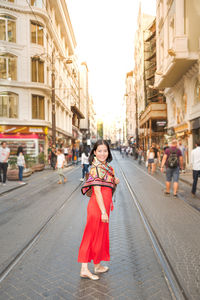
{"type": "Point", "coordinates": [87, 274]}
{"type": "Point", "coordinates": [100, 269]}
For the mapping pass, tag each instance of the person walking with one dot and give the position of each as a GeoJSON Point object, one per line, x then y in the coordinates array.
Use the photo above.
{"type": "Point", "coordinates": [99, 186]}
{"type": "Point", "coordinates": [53, 158]}
{"type": "Point", "coordinates": [140, 155]}
{"type": "Point", "coordinates": [156, 157]}
{"type": "Point", "coordinates": [21, 163]}
{"type": "Point", "coordinates": [4, 155]}
{"type": "Point", "coordinates": [195, 159]}
{"type": "Point", "coordinates": [150, 159]}
{"type": "Point", "coordinates": [84, 163]}
{"type": "Point", "coordinates": [173, 160]}
{"type": "Point", "coordinates": [184, 152]}
{"type": "Point", "coordinates": [60, 165]}
{"type": "Point", "coordinates": [66, 152]}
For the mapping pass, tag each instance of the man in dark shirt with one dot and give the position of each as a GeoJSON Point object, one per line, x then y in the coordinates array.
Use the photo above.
{"type": "Point", "coordinates": [172, 172]}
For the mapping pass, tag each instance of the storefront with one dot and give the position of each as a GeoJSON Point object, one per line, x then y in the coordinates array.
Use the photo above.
{"type": "Point", "coordinates": [32, 139]}
{"type": "Point", "coordinates": [195, 128]}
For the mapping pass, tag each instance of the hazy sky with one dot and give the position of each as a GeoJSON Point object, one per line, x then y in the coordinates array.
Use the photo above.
{"type": "Point", "coordinates": [105, 31]}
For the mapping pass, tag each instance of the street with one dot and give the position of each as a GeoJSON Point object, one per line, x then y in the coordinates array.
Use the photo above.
{"type": "Point", "coordinates": [42, 225]}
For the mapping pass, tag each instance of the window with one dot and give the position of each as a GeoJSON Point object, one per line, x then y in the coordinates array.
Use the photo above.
{"type": "Point", "coordinates": [8, 67]}
{"type": "Point", "coordinates": [37, 3]}
{"type": "Point", "coordinates": [37, 67]}
{"type": "Point", "coordinates": [36, 33]}
{"type": "Point", "coordinates": [8, 105]}
{"type": "Point", "coordinates": [7, 28]}
{"type": "Point", "coordinates": [37, 107]}
{"type": "Point", "coordinates": [197, 93]}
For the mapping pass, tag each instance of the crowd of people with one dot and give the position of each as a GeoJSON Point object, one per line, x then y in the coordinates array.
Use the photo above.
{"type": "Point", "coordinates": [171, 159]}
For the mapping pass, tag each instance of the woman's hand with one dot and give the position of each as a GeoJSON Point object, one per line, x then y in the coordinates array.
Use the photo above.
{"type": "Point", "coordinates": [104, 218]}
{"type": "Point", "coordinates": [116, 180]}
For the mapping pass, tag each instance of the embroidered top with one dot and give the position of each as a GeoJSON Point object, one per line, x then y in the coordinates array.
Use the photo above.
{"type": "Point", "coordinates": [100, 175]}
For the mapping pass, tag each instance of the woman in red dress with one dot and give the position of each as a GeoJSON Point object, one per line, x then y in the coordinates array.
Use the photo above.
{"type": "Point", "coordinates": [100, 186]}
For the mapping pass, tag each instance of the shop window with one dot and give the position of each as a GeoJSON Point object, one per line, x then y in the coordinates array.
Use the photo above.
{"type": "Point", "coordinates": [7, 28]}
{"type": "Point", "coordinates": [38, 107]}
{"type": "Point", "coordinates": [36, 3]}
{"type": "Point", "coordinates": [37, 33]}
{"type": "Point", "coordinates": [8, 105]}
{"type": "Point", "coordinates": [8, 66]}
{"type": "Point", "coordinates": [37, 68]}
{"type": "Point", "coordinates": [197, 93]}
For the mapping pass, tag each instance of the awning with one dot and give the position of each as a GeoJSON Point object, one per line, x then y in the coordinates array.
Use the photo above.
{"type": "Point", "coordinates": [77, 111]}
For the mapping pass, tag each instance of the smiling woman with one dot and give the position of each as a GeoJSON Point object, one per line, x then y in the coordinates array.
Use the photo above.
{"type": "Point", "coordinates": [101, 183]}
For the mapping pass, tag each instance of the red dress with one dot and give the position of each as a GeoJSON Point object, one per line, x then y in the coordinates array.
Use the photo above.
{"type": "Point", "coordinates": [95, 241]}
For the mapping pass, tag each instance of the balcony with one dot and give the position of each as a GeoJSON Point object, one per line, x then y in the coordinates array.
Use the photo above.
{"type": "Point", "coordinates": [176, 64]}
{"type": "Point", "coordinates": [155, 111]}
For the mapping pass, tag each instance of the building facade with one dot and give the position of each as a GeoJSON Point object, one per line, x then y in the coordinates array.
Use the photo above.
{"type": "Point", "coordinates": [36, 67]}
{"type": "Point", "coordinates": [153, 120]}
{"type": "Point", "coordinates": [177, 71]}
{"type": "Point", "coordinates": [130, 108]}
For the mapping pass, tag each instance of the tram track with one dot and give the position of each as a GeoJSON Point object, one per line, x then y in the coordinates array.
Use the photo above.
{"type": "Point", "coordinates": [171, 278]}
{"type": "Point", "coordinates": [13, 262]}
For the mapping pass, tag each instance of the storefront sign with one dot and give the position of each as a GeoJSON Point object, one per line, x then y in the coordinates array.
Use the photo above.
{"type": "Point", "coordinates": [22, 129]}
{"type": "Point", "coordinates": [161, 123]}
{"type": "Point", "coordinates": [183, 127]}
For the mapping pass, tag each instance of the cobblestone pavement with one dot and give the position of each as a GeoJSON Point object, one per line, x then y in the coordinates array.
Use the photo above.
{"type": "Point", "coordinates": [175, 223]}
{"type": "Point", "coordinates": [50, 269]}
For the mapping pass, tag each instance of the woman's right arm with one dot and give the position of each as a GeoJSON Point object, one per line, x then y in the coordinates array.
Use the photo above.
{"type": "Point", "coordinates": [99, 198]}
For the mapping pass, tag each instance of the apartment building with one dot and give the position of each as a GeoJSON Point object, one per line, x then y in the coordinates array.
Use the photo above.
{"type": "Point", "coordinates": [130, 108]}
{"type": "Point", "coordinates": [153, 120]}
{"type": "Point", "coordinates": [37, 45]}
{"type": "Point", "coordinates": [178, 67]}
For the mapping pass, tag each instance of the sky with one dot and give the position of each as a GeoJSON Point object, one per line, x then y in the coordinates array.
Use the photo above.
{"type": "Point", "coordinates": [105, 31]}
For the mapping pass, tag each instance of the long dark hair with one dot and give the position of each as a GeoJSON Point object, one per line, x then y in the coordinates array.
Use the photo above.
{"type": "Point", "coordinates": [20, 150]}
{"type": "Point", "coordinates": [98, 143]}
{"type": "Point", "coordinates": [85, 150]}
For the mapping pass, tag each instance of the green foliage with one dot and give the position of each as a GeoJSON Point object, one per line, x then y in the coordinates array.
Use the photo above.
{"type": "Point", "coordinates": [41, 158]}
{"type": "Point", "coordinates": [29, 160]}
{"type": "Point", "coordinates": [13, 162]}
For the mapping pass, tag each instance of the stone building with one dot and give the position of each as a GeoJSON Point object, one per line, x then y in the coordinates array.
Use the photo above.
{"type": "Point", "coordinates": [178, 67]}
{"type": "Point", "coordinates": [130, 108]}
{"type": "Point", "coordinates": [36, 41]}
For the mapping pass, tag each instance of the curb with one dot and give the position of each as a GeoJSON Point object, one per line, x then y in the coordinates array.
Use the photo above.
{"type": "Point", "coordinates": [12, 189]}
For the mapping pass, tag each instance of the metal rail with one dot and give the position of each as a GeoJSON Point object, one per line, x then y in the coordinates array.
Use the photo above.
{"type": "Point", "coordinates": [173, 283]}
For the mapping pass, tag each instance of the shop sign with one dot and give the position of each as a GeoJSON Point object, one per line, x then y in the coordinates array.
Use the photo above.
{"type": "Point", "coordinates": [21, 129]}
{"type": "Point", "coordinates": [183, 127]}
{"type": "Point", "coordinates": [161, 123]}
{"type": "Point", "coordinates": [36, 129]}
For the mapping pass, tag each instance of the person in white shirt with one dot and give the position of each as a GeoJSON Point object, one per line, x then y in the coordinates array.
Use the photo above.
{"type": "Point", "coordinates": [4, 154]}
{"type": "Point", "coordinates": [21, 163]}
{"type": "Point", "coordinates": [60, 166]}
{"type": "Point", "coordinates": [84, 163]}
{"type": "Point", "coordinates": [195, 158]}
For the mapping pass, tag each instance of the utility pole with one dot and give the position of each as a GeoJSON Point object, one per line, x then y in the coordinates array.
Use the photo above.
{"type": "Point", "coordinates": [53, 100]}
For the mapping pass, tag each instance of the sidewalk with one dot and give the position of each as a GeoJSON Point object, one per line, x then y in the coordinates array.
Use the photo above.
{"type": "Point", "coordinates": [14, 184]}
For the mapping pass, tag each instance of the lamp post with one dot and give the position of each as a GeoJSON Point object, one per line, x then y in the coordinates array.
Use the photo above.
{"type": "Point", "coordinates": [53, 100]}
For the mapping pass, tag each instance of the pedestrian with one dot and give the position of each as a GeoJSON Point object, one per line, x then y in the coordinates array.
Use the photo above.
{"type": "Point", "coordinates": [195, 159]}
{"type": "Point", "coordinates": [173, 160]}
{"type": "Point", "coordinates": [60, 166]}
{"type": "Point", "coordinates": [66, 152]}
{"type": "Point", "coordinates": [150, 159]}
{"type": "Point", "coordinates": [140, 155]}
{"type": "Point", "coordinates": [184, 152]}
{"type": "Point", "coordinates": [53, 158]}
{"type": "Point", "coordinates": [4, 155]}
{"type": "Point", "coordinates": [101, 183]}
{"type": "Point", "coordinates": [122, 152]}
{"type": "Point", "coordinates": [85, 163]}
{"type": "Point", "coordinates": [156, 156]}
{"type": "Point", "coordinates": [75, 155]}
{"type": "Point", "coordinates": [21, 163]}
